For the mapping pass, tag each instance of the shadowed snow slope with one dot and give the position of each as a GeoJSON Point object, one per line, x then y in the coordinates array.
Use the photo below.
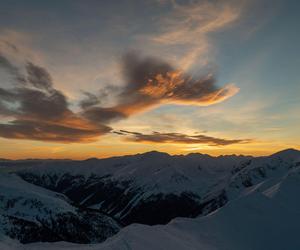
{"type": "Point", "coordinates": [266, 216]}
{"type": "Point", "coordinates": [30, 213]}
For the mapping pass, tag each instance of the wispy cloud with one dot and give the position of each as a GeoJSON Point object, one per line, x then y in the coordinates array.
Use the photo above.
{"type": "Point", "coordinates": [178, 138]}
{"type": "Point", "coordinates": [189, 25]}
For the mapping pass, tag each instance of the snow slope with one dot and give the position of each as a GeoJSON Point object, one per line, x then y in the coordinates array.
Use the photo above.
{"type": "Point", "coordinates": [30, 213]}
{"type": "Point", "coordinates": [24, 200]}
{"type": "Point", "coordinates": [264, 216]}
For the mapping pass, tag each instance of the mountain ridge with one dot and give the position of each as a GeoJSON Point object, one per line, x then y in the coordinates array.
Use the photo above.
{"type": "Point", "coordinates": [147, 153]}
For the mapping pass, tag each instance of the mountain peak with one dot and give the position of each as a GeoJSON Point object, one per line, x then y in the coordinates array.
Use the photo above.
{"type": "Point", "coordinates": [288, 153]}
{"type": "Point", "coordinates": [154, 153]}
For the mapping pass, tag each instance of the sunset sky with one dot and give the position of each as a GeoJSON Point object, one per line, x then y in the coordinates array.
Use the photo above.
{"type": "Point", "coordinates": [81, 79]}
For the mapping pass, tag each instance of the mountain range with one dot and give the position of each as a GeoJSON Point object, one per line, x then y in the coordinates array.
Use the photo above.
{"type": "Point", "coordinates": [152, 201]}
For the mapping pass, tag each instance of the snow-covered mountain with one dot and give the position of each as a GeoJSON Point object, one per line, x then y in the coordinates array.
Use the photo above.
{"type": "Point", "coordinates": [265, 215]}
{"type": "Point", "coordinates": [240, 202]}
{"type": "Point", "coordinates": [150, 188]}
{"type": "Point", "coordinates": [30, 213]}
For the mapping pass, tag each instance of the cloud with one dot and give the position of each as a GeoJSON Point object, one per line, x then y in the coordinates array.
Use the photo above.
{"type": "Point", "coordinates": [89, 100]}
{"type": "Point", "coordinates": [158, 82]}
{"type": "Point", "coordinates": [178, 138]}
{"type": "Point", "coordinates": [103, 115]}
{"type": "Point", "coordinates": [38, 77]}
{"type": "Point", "coordinates": [34, 103]}
{"type": "Point", "coordinates": [38, 111]}
{"type": "Point", "coordinates": [197, 19]}
{"type": "Point", "coordinates": [6, 65]}
{"type": "Point", "coordinates": [189, 25]}
{"type": "Point", "coordinates": [151, 82]}
{"type": "Point", "coordinates": [47, 131]}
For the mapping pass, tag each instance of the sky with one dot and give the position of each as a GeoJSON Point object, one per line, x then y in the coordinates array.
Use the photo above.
{"type": "Point", "coordinates": [82, 79]}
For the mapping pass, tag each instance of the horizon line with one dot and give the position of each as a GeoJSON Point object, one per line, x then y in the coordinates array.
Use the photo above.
{"type": "Point", "coordinates": [146, 152]}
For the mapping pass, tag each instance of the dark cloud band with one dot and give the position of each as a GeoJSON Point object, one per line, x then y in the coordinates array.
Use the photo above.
{"type": "Point", "coordinates": [178, 138]}
{"type": "Point", "coordinates": [45, 131]}
{"type": "Point", "coordinates": [38, 111]}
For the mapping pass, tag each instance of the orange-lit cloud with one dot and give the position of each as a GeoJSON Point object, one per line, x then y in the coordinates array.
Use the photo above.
{"type": "Point", "coordinates": [151, 82]}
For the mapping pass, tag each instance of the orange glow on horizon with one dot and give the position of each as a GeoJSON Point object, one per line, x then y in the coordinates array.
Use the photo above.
{"type": "Point", "coordinates": [21, 149]}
